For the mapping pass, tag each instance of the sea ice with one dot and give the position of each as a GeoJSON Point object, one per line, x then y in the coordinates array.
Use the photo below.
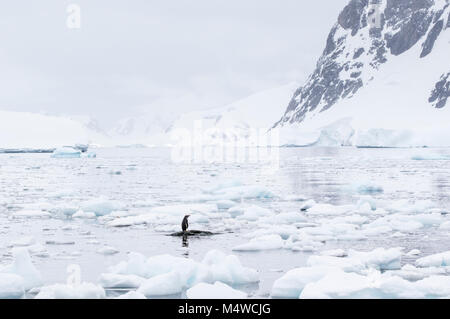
{"type": "Point", "coordinates": [162, 285]}
{"type": "Point", "coordinates": [132, 295]}
{"type": "Point", "coordinates": [110, 280]}
{"type": "Point", "coordinates": [66, 152]}
{"type": "Point", "coordinates": [167, 274]}
{"type": "Point", "coordinates": [292, 283]}
{"type": "Point", "coordinates": [107, 250]}
{"type": "Point", "coordinates": [268, 242]}
{"type": "Point", "coordinates": [11, 286]}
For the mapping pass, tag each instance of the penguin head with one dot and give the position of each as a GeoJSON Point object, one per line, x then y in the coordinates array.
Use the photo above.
{"type": "Point", "coordinates": [187, 216]}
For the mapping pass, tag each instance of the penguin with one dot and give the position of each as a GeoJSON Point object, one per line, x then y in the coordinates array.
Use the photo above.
{"type": "Point", "coordinates": [184, 223]}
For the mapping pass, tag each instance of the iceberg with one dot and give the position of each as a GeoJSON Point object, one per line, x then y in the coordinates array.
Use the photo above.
{"type": "Point", "coordinates": [217, 290]}
{"type": "Point", "coordinates": [66, 152]}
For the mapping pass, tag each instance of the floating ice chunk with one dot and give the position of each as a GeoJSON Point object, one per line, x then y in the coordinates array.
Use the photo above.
{"type": "Point", "coordinates": [66, 152]}
{"type": "Point", "coordinates": [409, 272]}
{"type": "Point", "coordinates": [430, 157]}
{"type": "Point", "coordinates": [414, 252]}
{"type": "Point", "coordinates": [307, 205]}
{"type": "Point", "coordinates": [405, 206]}
{"type": "Point", "coordinates": [162, 285]}
{"type": "Point", "coordinates": [107, 250]}
{"type": "Point", "coordinates": [132, 295]}
{"type": "Point", "coordinates": [236, 211]}
{"type": "Point", "coordinates": [253, 213]}
{"type": "Point", "coordinates": [90, 155]}
{"type": "Point", "coordinates": [11, 286]}
{"type": "Point", "coordinates": [23, 267]}
{"type": "Point", "coordinates": [22, 242]}
{"type": "Point", "coordinates": [346, 264]}
{"type": "Point", "coordinates": [82, 214]}
{"type": "Point", "coordinates": [120, 281]}
{"type": "Point", "coordinates": [31, 214]}
{"type": "Point", "coordinates": [65, 209]}
{"type": "Point", "coordinates": [216, 291]}
{"type": "Point", "coordinates": [436, 260]}
{"type": "Point", "coordinates": [269, 242]}
{"type": "Point", "coordinates": [367, 200]}
{"type": "Point", "coordinates": [367, 188]}
{"type": "Point", "coordinates": [328, 209]}
{"type": "Point", "coordinates": [38, 250]}
{"type": "Point", "coordinates": [101, 206]}
{"type": "Point", "coordinates": [334, 253]}
{"type": "Point", "coordinates": [225, 204]}
{"type": "Point", "coordinates": [445, 225]}
{"type": "Point", "coordinates": [339, 284]}
{"type": "Point", "coordinates": [379, 258]}
{"type": "Point", "coordinates": [284, 231]}
{"type": "Point", "coordinates": [228, 269]}
{"type": "Point", "coordinates": [184, 273]}
{"type": "Point", "coordinates": [78, 291]}
{"type": "Point", "coordinates": [223, 185]}
{"type": "Point", "coordinates": [292, 283]}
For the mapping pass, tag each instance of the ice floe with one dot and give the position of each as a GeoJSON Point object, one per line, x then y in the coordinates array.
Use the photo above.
{"type": "Point", "coordinates": [218, 290]}
{"type": "Point", "coordinates": [262, 243]}
{"type": "Point", "coordinates": [101, 206]}
{"type": "Point", "coordinates": [23, 268]}
{"type": "Point", "coordinates": [167, 275]}
{"type": "Point", "coordinates": [75, 291]}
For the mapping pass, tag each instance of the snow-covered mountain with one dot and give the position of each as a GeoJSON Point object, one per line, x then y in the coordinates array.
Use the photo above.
{"type": "Point", "coordinates": [383, 79]}
{"type": "Point", "coordinates": [22, 130]}
{"type": "Point", "coordinates": [236, 121]}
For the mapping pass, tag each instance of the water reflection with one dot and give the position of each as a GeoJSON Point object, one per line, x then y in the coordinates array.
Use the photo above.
{"type": "Point", "coordinates": [185, 242]}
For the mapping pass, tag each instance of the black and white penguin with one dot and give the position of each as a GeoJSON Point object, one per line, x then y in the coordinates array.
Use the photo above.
{"type": "Point", "coordinates": [184, 223]}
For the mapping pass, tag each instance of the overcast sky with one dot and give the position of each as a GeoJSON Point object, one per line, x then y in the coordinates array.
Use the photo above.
{"type": "Point", "coordinates": [136, 56]}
